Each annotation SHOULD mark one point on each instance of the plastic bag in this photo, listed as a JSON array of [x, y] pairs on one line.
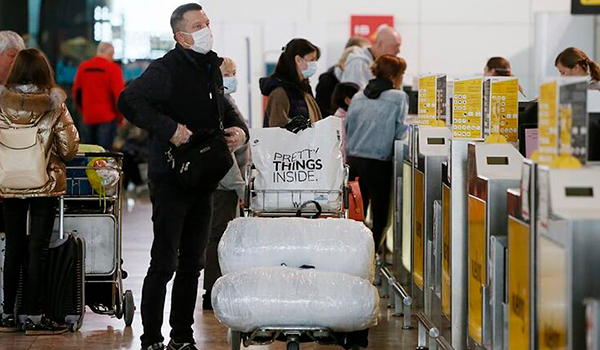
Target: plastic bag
[[288, 297], [308, 161], [335, 245]]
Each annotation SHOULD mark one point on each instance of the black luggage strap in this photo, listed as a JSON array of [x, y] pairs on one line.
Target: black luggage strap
[[305, 204]]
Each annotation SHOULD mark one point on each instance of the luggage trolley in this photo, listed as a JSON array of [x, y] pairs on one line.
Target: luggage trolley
[[97, 218], [290, 202]]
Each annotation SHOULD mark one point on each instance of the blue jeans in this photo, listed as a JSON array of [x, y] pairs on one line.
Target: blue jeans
[[100, 134]]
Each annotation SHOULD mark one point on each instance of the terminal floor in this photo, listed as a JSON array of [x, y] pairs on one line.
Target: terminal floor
[[102, 332]]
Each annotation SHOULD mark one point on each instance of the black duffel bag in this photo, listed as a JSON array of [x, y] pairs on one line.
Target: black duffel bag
[[202, 162]]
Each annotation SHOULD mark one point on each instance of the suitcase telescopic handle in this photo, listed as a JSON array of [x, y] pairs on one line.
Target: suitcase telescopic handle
[[61, 218]]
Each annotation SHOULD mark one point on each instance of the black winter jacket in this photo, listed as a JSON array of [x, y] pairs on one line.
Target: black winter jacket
[[181, 87]]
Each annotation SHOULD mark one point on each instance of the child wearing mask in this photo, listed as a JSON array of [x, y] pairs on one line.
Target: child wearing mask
[[291, 100]]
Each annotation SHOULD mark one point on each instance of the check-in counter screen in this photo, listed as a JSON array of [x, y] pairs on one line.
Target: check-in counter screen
[[436, 141], [497, 160], [446, 253], [579, 191], [552, 295], [477, 266], [419, 230], [519, 284], [406, 216]]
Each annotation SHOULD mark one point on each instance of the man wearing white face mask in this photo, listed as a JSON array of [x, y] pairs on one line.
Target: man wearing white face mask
[[179, 100]]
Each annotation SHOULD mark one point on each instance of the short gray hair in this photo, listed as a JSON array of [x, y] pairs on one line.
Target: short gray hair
[[11, 40], [177, 15]]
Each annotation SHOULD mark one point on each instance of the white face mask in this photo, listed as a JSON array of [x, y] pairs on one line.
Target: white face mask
[[203, 40], [311, 69], [230, 84]]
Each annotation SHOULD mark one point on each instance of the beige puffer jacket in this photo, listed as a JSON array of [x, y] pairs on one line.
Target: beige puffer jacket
[[28, 104]]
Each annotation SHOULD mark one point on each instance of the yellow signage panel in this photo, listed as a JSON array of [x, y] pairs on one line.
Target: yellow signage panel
[[566, 121], [406, 215], [427, 99], [519, 284], [477, 268], [467, 109], [552, 295], [590, 2], [446, 253], [548, 122], [419, 229], [504, 108]]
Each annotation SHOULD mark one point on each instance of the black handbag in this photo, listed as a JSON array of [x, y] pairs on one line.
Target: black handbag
[[202, 162]]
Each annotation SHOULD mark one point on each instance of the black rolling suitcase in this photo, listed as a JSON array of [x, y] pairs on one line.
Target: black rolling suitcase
[[65, 280], [64, 300]]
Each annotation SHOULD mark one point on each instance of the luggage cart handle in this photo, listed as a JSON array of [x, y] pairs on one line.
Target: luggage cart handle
[[305, 204], [61, 218], [102, 154]]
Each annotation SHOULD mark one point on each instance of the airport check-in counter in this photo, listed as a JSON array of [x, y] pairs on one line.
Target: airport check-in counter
[[521, 257], [402, 188], [431, 151], [492, 170], [568, 256]]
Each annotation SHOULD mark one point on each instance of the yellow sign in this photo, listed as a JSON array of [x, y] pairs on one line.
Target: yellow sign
[[552, 295], [446, 253], [566, 121], [427, 99], [419, 229], [590, 2], [406, 216], [519, 284], [477, 268], [548, 123], [504, 109], [467, 111]]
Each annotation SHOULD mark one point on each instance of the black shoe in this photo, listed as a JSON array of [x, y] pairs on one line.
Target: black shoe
[[45, 327], [8, 325], [155, 346], [181, 346]]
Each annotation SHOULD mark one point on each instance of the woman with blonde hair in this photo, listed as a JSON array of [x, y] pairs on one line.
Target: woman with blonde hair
[[31, 99]]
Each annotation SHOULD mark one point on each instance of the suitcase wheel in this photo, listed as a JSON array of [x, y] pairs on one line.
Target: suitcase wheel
[[128, 308]]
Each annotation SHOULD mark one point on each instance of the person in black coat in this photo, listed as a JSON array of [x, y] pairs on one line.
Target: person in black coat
[[178, 95]]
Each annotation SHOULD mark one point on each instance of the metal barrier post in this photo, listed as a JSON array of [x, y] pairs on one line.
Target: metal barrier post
[[377, 280], [391, 293], [422, 337], [407, 302]]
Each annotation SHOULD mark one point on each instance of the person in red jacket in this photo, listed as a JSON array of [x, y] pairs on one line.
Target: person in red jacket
[[98, 84]]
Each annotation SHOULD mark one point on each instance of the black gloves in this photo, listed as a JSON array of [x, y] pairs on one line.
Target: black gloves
[[297, 124]]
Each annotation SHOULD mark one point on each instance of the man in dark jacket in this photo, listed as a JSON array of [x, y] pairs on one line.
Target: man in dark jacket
[[179, 94]]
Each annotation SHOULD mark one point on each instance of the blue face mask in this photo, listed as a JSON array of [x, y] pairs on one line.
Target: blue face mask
[[310, 70], [230, 85]]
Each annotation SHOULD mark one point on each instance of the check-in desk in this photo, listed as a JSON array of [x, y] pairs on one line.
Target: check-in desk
[[568, 254], [431, 151], [492, 170]]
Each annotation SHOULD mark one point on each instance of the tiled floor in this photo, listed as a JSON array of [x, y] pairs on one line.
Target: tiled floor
[[102, 332]]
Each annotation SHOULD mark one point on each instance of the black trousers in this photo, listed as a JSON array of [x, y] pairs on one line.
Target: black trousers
[[31, 252], [181, 226], [225, 206], [375, 181]]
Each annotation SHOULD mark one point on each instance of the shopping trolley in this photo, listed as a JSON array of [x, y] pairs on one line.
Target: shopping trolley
[[96, 215]]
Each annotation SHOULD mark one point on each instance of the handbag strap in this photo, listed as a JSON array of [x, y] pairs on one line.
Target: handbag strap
[[305, 204]]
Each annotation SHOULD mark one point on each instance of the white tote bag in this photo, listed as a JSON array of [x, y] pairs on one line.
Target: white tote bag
[[295, 168]]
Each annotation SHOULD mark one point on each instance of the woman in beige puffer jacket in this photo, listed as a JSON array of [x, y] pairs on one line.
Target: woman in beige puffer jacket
[[31, 97]]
